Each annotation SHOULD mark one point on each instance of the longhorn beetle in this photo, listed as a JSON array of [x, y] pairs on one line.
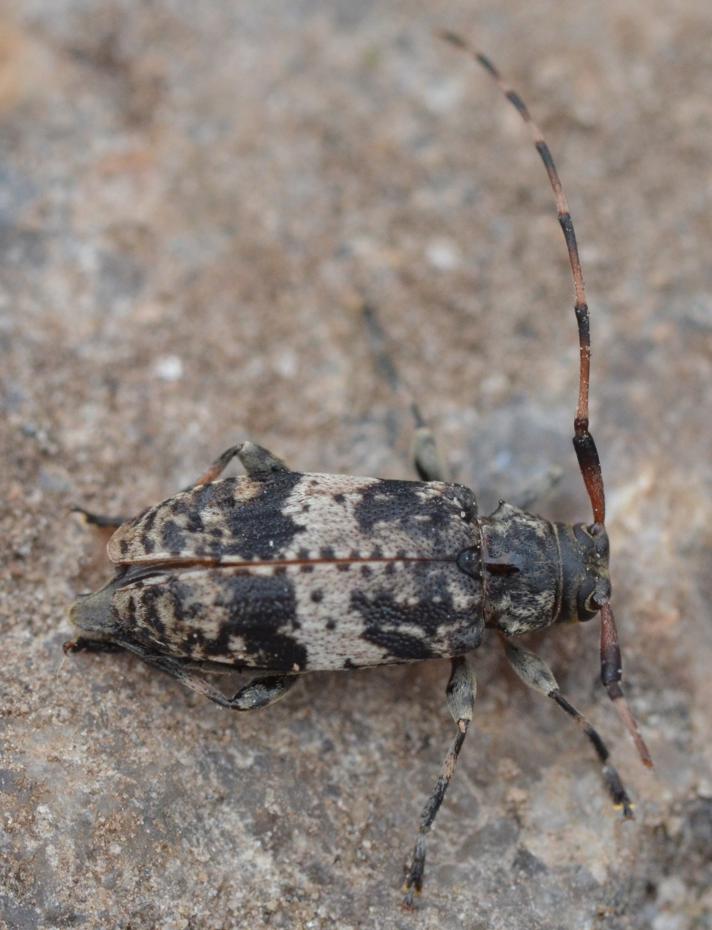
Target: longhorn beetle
[[286, 573]]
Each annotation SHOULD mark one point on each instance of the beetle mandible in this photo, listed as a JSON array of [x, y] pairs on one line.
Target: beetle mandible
[[286, 573]]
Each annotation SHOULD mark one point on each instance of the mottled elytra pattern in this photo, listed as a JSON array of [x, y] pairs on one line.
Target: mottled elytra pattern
[[291, 517], [254, 572], [286, 619]]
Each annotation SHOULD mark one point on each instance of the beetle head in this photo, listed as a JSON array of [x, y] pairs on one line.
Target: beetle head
[[584, 561]]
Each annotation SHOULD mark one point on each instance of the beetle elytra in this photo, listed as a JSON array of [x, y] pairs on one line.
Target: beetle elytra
[[286, 573]]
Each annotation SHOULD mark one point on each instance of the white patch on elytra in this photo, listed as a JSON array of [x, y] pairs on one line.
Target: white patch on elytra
[[330, 648], [336, 525]]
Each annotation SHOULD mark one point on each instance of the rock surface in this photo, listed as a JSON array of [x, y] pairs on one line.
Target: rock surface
[[194, 202]]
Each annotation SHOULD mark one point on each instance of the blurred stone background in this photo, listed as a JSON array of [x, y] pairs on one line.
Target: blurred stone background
[[194, 200]]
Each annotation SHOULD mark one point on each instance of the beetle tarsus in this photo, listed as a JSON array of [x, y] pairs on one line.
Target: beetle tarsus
[[99, 519], [257, 693], [261, 692], [84, 644], [218, 466], [426, 457], [611, 778], [621, 800], [461, 691], [259, 462], [536, 674], [428, 463]]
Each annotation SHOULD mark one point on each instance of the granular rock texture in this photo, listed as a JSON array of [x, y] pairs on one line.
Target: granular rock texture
[[195, 201]]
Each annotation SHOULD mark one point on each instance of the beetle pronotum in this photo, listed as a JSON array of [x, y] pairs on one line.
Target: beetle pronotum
[[288, 573]]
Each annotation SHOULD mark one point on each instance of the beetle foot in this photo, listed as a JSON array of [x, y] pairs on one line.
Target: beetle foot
[[413, 884], [99, 519], [412, 889], [83, 644]]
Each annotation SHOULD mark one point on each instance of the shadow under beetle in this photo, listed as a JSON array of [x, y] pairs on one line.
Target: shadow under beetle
[[288, 573]]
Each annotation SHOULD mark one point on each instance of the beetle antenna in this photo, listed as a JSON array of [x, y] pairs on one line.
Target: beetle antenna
[[586, 452]]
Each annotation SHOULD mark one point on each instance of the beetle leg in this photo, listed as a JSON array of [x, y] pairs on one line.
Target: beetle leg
[[427, 459], [261, 692], [535, 673], [255, 694], [218, 466], [99, 519], [85, 644], [257, 462], [461, 691]]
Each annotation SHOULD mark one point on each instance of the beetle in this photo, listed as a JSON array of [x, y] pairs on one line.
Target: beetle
[[287, 573]]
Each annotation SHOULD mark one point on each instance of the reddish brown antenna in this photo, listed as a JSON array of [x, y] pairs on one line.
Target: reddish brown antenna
[[586, 452]]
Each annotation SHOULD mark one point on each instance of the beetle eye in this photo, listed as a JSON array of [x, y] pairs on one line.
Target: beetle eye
[[589, 530], [586, 607]]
